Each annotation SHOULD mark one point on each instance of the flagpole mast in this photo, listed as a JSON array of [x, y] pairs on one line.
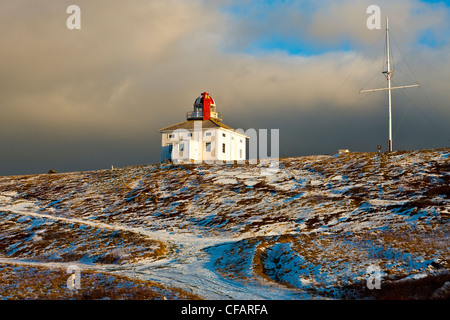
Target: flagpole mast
[[388, 73]]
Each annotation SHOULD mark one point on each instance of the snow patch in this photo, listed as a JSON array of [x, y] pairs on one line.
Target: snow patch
[[226, 181]]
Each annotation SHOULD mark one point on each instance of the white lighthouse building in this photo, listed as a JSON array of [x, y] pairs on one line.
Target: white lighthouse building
[[202, 137]]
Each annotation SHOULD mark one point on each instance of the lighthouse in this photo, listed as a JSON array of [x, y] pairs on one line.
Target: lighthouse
[[202, 137]]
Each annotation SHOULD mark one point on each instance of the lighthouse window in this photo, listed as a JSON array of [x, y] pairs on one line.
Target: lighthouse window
[[223, 135], [181, 146], [223, 147], [208, 133], [208, 147], [171, 136]]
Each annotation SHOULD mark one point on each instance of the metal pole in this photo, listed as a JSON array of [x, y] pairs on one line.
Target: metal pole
[[389, 83]]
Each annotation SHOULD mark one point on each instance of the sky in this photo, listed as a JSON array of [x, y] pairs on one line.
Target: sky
[[95, 97]]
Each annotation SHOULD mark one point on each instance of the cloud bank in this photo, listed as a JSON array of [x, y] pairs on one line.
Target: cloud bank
[[91, 98]]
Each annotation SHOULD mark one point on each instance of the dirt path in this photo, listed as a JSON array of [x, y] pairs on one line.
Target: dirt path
[[186, 265]]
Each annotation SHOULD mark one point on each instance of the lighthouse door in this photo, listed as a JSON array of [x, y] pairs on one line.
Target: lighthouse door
[[169, 151]]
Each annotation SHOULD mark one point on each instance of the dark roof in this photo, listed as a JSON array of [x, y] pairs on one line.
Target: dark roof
[[189, 125]]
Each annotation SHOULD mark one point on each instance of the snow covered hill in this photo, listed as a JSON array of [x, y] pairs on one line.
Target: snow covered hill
[[315, 229]]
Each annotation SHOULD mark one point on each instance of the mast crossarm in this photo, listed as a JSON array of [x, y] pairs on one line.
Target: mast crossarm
[[391, 88]]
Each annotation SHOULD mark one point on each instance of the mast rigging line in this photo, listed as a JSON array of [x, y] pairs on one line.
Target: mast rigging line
[[361, 58], [434, 125], [414, 78]]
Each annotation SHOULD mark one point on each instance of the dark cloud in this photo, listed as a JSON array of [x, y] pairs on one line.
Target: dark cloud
[[95, 97]]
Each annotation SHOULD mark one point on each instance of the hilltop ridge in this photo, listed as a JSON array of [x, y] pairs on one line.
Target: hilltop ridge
[[310, 230]]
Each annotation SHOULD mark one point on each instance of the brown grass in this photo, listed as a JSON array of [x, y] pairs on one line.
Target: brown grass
[[408, 289], [47, 240], [358, 249], [34, 283]]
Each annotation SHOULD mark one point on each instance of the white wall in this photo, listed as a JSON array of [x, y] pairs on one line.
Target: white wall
[[195, 146]]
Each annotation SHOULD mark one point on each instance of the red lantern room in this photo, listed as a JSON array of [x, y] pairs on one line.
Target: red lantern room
[[204, 109]]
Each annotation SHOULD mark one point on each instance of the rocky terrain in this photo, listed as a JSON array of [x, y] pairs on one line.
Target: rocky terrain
[[315, 227]]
